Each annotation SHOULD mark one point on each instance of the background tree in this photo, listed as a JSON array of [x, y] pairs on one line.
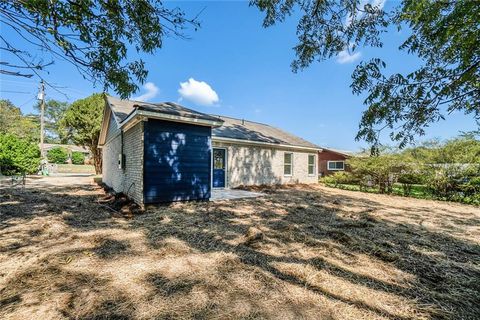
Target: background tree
[[18, 155], [54, 112], [12, 121], [445, 35], [460, 150], [94, 36], [82, 122]]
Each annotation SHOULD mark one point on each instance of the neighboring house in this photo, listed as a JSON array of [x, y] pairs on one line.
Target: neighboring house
[[165, 152], [331, 161], [69, 147]]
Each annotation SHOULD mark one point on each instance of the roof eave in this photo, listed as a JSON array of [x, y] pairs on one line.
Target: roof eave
[[107, 113], [338, 152]]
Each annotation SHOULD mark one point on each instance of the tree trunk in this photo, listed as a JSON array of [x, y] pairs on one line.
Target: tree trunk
[[97, 158]]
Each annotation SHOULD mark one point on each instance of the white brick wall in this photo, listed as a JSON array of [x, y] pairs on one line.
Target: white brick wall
[[252, 165], [130, 179]]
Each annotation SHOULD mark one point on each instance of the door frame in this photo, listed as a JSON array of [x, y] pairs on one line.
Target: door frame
[[226, 169]]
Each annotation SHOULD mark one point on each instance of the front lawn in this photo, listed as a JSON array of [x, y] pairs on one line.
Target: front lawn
[[418, 191], [303, 252]]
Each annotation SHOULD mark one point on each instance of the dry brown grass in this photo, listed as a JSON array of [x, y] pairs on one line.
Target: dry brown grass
[[299, 252]]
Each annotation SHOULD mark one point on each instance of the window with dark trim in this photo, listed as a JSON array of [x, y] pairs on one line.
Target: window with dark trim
[[287, 163]]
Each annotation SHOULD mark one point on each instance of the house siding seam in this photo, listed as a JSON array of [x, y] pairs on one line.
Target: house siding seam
[[130, 179], [252, 165]]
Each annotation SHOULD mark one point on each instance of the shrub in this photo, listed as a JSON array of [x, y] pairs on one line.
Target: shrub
[[457, 182], [57, 155], [408, 178], [340, 177], [18, 155], [78, 157], [472, 186], [379, 171]]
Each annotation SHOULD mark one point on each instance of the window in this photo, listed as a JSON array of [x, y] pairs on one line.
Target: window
[[219, 159], [287, 164], [336, 165], [311, 165]]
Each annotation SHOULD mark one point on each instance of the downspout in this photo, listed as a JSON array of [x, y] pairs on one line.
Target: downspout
[[122, 155], [121, 147]]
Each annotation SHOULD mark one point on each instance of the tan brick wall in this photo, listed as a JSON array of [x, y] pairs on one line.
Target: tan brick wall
[[253, 165], [130, 179]]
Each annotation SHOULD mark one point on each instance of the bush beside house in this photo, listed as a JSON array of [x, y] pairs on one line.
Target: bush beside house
[[18, 155]]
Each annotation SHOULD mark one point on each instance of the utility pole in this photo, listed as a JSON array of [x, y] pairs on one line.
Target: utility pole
[[41, 97]]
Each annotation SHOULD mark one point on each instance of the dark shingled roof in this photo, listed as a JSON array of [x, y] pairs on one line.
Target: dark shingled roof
[[232, 128], [257, 132], [122, 109]]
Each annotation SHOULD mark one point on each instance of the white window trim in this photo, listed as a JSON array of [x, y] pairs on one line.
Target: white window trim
[[314, 164], [291, 165], [328, 165]]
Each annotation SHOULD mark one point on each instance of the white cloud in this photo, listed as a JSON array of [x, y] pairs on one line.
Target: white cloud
[[198, 92], [345, 56], [379, 4], [151, 92], [358, 14]]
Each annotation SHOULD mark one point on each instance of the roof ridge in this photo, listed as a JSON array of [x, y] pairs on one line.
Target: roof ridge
[[171, 103], [240, 119]]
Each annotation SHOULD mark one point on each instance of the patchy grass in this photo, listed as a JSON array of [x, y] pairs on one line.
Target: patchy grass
[[75, 168], [298, 252]]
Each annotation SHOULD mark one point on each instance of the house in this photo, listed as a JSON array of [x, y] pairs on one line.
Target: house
[[161, 152], [331, 161]]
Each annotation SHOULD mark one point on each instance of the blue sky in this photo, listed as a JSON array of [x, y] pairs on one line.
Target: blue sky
[[242, 70]]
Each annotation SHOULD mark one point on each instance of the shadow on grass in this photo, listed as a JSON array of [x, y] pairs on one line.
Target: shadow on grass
[[445, 284]]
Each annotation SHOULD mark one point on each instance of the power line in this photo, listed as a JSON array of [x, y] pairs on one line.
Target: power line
[[10, 91], [19, 82], [23, 104]]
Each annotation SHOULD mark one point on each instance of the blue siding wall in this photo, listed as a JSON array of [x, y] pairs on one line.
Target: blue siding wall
[[177, 161]]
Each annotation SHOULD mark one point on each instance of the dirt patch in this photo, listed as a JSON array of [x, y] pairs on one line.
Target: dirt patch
[[299, 252]]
